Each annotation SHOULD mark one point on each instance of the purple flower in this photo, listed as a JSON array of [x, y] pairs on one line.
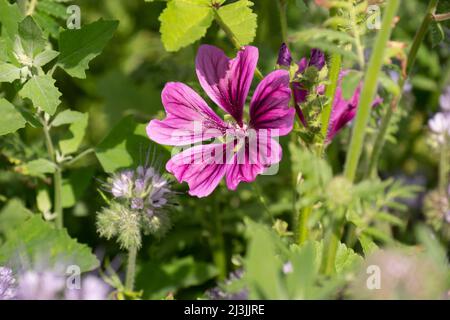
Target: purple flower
[[343, 110], [317, 59], [444, 100], [284, 56], [190, 120], [92, 288], [7, 284], [40, 285]]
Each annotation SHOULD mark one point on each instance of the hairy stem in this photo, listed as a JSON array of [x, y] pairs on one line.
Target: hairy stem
[[232, 37], [330, 93], [302, 228], [335, 69], [418, 39], [357, 36], [369, 91], [331, 246], [57, 176], [131, 269], [262, 200], [420, 34]]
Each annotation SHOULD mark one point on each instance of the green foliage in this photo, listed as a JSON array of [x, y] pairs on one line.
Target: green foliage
[[160, 279], [241, 20], [79, 47], [37, 239], [11, 119], [124, 146], [42, 91], [71, 141], [186, 21]]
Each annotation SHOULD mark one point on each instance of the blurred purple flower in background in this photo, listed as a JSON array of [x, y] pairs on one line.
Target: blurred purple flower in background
[[7, 284], [343, 111], [444, 100]]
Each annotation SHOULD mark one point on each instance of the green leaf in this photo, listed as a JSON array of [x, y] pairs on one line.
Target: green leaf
[[79, 46], [389, 85], [52, 8], [67, 117], [157, 280], [436, 33], [263, 268], [184, 22], [43, 201], [239, 17], [125, 146], [71, 141], [12, 215], [38, 238], [11, 120], [10, 16], [75, 185], [41, 90], [9, 72], [346, 258], [31, 37], [37, 168], [350, 82], [45, 57]]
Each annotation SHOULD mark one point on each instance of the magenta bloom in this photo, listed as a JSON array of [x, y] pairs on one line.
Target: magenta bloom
[[344, 111], [241, 149]]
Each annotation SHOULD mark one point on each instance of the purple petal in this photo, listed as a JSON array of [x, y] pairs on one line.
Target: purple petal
[[189, 119], [344, 111], [227, 81], [249, 162], [317, 59], [284, 56], [269, 108], [202, 167]]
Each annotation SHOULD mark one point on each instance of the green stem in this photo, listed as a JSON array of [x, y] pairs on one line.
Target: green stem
[[357, 37], [282, 6], [418, 39], [219, 254], [380, 140], [331, 246], [330, 92], [335, 68], [262, 200], [232, 37], [131, 269], [31, 7], [57, 176], [79, 156], [420, 35], [369, 90], [302, 229]]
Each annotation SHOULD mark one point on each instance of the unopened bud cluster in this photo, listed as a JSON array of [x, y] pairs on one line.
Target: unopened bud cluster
[[140, 201]]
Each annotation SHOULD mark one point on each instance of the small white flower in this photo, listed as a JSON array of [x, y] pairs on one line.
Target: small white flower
[[440, 125]]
